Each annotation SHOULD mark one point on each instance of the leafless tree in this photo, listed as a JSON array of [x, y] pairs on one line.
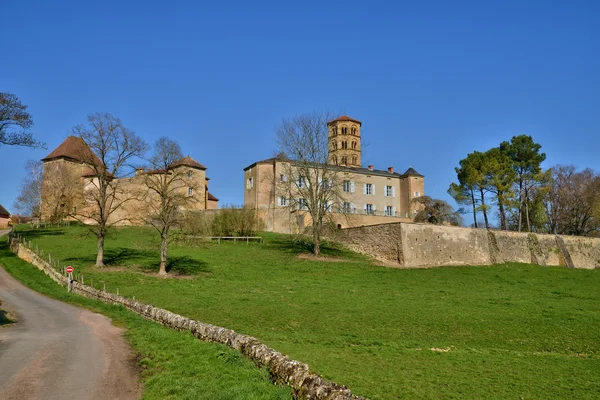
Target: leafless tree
[[30, 194], [61, 191], [14, 114], [168, 186], [112, 147], [309, 183], [435, 211], [571, 201]]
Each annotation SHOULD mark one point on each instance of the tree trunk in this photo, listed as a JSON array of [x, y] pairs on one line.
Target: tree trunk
[[474, 209], [520, 203], [485, 218], [100, 256], [316, 241], [163, 255], [527, 210], [501, 210]]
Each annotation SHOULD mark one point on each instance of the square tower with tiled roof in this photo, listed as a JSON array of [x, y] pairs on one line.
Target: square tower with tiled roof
[[344, 141]]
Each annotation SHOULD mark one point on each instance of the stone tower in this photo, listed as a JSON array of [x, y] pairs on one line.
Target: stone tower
[[344, 141]]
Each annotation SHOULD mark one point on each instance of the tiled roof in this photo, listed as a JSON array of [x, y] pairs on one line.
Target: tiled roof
[[3, 211], [74, 148], [345, 118], [211, 197], [188, 162]]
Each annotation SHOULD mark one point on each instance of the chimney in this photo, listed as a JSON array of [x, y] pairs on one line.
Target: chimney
[[370, 168], [391, 170]]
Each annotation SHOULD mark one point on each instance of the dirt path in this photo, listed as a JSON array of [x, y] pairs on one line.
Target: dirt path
[[59, 351]]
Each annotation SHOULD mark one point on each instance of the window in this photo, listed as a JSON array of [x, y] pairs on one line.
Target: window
[[250, 183], [334, 131], [282, 201], [417, 194], [344, 131], [344, 145], [282, 178], [354, 145], [190, 174], [389, 211], [344, 160], [334, 159], [346, 208], [302, 204], [354, 130], [347, 186], [333, 145], [389, 191], [354, 160], [301, 182], [369, 209], [369, 189], [190, 191]]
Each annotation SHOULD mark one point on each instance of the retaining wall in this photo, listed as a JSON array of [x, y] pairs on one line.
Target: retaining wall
[[420, 245], [283, 370]]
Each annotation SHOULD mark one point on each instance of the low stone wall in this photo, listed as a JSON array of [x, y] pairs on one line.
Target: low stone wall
[[283, 370], [419, 245]]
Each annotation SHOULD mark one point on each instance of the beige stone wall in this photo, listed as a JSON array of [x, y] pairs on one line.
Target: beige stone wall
[[4, 222], [419, 245], [263, 185]]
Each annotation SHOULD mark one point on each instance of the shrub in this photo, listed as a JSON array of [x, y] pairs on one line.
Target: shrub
[[236, 221]]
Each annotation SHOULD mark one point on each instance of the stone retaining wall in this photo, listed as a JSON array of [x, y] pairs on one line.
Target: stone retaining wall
[[305, 384], [420, 245]]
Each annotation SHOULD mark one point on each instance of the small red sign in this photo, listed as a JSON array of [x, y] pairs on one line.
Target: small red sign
[[69, 269]]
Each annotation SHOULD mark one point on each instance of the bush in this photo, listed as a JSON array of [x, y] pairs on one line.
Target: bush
[[197, 223], [236, 221]]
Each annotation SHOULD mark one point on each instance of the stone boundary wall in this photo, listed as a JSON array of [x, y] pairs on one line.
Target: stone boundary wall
[[305, 384], [425, 245]]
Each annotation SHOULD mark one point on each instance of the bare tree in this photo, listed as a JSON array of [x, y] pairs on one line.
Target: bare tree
[[435, 211], [168, 185], [14, 114], [310, 184], [30, 194], [111, 147]]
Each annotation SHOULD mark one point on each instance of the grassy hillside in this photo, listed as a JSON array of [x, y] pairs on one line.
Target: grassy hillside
[[504, 331]]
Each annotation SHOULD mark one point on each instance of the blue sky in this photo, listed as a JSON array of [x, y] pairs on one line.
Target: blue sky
[[431, 81]]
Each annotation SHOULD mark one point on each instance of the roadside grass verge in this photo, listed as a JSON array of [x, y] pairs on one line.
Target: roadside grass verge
[[174, 365], [503, 331]]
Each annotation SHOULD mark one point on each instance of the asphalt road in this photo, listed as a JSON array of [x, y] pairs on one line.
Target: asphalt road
[[59, 351]]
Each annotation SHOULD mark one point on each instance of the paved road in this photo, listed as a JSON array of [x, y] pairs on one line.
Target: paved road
[[59, 351]]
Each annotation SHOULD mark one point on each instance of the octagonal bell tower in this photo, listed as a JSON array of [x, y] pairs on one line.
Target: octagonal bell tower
[[344, 141]]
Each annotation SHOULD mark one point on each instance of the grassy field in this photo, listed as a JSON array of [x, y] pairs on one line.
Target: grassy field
[[174, 365], [506, 331]]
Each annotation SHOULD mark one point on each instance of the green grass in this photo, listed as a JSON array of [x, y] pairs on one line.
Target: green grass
[[174, 365], [510, 331]]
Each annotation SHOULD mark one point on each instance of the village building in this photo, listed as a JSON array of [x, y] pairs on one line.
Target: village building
[[67, 178], [370, 196], [4, 218]]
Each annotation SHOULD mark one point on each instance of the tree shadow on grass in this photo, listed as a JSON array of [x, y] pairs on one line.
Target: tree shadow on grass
[[36, 233], [179, 265], [302, 245], [118, 257]]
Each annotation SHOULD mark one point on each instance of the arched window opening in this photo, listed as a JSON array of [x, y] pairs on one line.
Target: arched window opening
[[344, 145], [334, 145], [354, 160], [354, 145], [344, 160], [344, 130], [334, 160], [354, 130]]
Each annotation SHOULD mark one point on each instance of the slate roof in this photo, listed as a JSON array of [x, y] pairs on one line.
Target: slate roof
[[412, 172], [188, 162], [345, 118]]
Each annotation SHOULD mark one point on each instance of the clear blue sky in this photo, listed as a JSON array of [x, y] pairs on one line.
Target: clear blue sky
[[431, 81]]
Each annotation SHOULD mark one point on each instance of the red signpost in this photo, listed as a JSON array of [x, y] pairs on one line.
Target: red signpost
[[69, 269]]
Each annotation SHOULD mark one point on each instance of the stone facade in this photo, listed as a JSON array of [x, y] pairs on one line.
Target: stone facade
[[68, 185], [423, 245], [367, 195]]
